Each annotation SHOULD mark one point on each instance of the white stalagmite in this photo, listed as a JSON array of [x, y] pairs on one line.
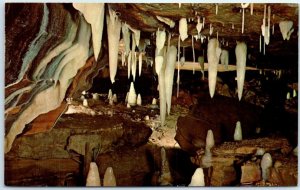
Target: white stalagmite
[[115, 98], [198, 178], [169, 74], [224, 58], [85, 103], [294, 93], [132, 95], [160, 40], [213, 54], [133, 65], [288, 96], [238, 136], [110, 94], [109, 179], [95, 96], [154, 101], [93, 14], [241, 56], [168, 21], [139, 100], [140, 63], [183, 29], [158, 64], [129, 63], [165, 177], [93, 178], [210, 141], [286, 28], [266, 163], [126, 37], [113, 32]]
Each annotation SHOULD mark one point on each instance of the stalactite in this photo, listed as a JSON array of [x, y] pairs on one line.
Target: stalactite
[[183, 29], [259, 43], [126, 37], [160, 40], [162, 89], [198, 26], [167, 21], [224, 58], [113, 32], [217, 9], [241, 56], [123, 58], [211, 29], [213, 53], [129, 63], [251, 8], [286, 29], [133, 65], [193, 52], [169, 75], [140, 63], [178, 67], [94, 14]]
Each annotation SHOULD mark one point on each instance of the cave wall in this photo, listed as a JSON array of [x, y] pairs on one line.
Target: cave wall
[[47, 46]]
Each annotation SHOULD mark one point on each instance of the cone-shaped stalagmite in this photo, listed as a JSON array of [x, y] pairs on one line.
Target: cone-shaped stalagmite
[[198, 178], [109, 178], [241, 56], [93, 178]]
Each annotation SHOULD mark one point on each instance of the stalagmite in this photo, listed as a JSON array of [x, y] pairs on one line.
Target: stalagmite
[[265, 164], [210, 141], [115, 98], [154, 101], [294, 93], [93, 178], [110, 94], [198, 178], [183, 29], [213, 54], [85, 103], [132, 95], [126, 37], [95, 96], [224, 58], [168, 21], [241, 56], [140, 63], [169, 75], [139, 100], [160, 40], [165, 177], [93, 14], [286, 29], [238, 132], [113, 32], [288, 96], [109, 179]]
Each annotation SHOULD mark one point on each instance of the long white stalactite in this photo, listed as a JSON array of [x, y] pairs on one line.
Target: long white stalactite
[[93, 14], [113, 32], [169, 75], [213, 55], [140, 63], [126, 37], [178, 70], [162, 89], [241, 56]]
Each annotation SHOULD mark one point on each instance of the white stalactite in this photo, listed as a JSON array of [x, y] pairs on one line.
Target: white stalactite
[[140, 63], [183, 29], [198, 26], [225, 58], [211, 29], [241, 56], [178, 67], [167, 21], [129, 63], [126, 37], [133, 65], [213, 60], [169, 75], [158, 64], [123, 58], [94, 15], [251, 8], [113, 32], [286, 29], [160, 40], [162, 90]]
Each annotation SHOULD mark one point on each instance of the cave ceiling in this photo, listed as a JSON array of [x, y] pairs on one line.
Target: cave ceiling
[[142, 16]]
